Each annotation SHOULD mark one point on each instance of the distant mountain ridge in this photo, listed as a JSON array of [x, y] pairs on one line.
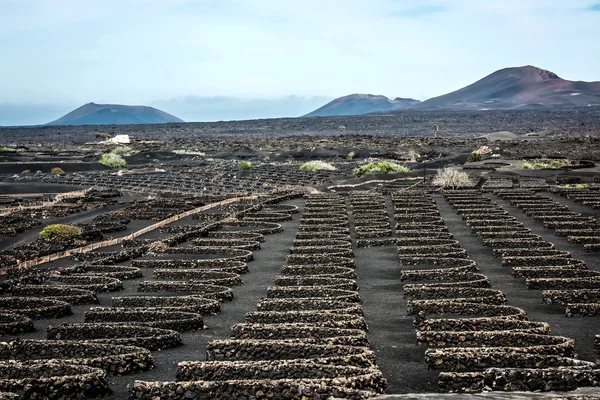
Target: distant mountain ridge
[[505, 89], [114, 114], [517, 87], [359, 104]]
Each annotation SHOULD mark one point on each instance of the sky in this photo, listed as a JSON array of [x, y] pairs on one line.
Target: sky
[[205, 60]]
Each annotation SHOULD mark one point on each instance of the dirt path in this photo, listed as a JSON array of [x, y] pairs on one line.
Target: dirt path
[[391, 331]]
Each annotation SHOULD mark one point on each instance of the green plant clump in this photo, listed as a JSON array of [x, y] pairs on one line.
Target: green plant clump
[[317, 166], [577, 186], [57, 171], [6, 150], [26, 172], [382, 167], [113, 160], [245, 165], [474, 157], [543, 163], [60, 230]]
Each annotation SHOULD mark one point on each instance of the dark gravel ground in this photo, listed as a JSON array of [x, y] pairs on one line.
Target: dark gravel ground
[[401, 124], [580, 329], [391, 330], [263, 270]]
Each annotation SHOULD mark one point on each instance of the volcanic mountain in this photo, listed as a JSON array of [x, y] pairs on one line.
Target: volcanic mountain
[[519, 87], [114, 114], [358, 104]]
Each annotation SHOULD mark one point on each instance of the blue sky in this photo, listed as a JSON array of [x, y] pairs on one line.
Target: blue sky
[[274, 57]]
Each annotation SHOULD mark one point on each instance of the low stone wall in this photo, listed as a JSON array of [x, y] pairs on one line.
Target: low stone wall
[[241, 243], [443, 293], [509, 243], [236, 235], [340, 320], [582, 309], [526, 252], [194, 303], [94, 283], [115, 360], [324, 281], [217, 292], [121, 272], [120, 334], [334, 256], [349, 337], [156, 318], [232, 389], [14, 324], [249, 350], [432, 327], [310, 304], [552, 272], [363, 378], [592, 282], [591, 248], [478, 358], [545, 379], [231, 253], [564, 297], [238, 267], [318, 270], [343, 251], [52, 380], [313, 291], [264, 228], [35, 308], [214, 277], [541, 261], [68, 294], [323, 235]]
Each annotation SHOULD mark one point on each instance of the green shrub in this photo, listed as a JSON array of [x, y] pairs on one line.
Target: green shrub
[[60, 230], [474, 157], [244, 165], [57, 171], [382, 167], [6, 150], [39, 171], [351, 155], [26, 172], [543, 163], [317, 166], [113, 160], [452, 179]]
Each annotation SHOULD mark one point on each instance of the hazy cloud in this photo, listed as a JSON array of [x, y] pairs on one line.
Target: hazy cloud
[[221, 108], [419, 11], [136, 51]]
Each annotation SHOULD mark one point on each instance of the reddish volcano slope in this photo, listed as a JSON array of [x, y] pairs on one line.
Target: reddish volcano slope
[[516, 88], [358, 104]]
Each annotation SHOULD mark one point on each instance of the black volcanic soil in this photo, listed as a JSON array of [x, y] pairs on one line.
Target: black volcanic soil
[[585, 120]]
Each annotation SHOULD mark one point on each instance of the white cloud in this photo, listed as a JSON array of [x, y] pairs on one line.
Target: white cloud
[[134, 51]]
